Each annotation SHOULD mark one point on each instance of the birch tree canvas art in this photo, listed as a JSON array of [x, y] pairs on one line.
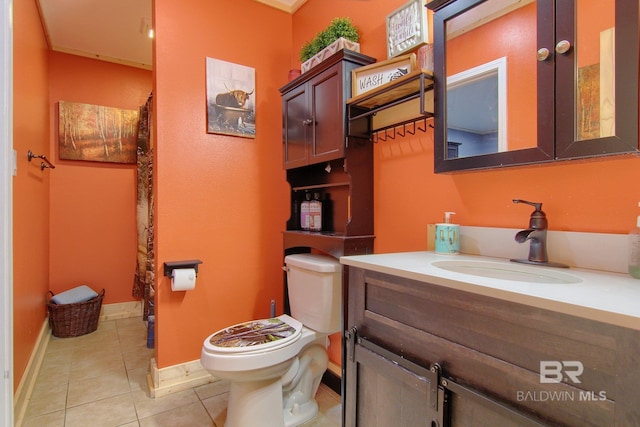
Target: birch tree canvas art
[[97, 133]]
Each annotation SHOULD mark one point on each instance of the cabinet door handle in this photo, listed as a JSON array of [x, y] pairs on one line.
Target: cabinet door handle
[[307, 122], [542, 54], [563, 46]]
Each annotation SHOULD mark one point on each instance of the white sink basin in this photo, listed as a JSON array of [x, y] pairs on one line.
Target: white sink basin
[[505, 271]]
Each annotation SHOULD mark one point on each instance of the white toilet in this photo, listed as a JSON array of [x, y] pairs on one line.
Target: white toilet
[[275, 365]]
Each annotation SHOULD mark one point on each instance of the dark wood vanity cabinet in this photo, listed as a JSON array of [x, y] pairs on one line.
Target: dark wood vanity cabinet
[[419, 354]]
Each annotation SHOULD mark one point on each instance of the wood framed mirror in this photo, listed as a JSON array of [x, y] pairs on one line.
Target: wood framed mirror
[[530, 81]]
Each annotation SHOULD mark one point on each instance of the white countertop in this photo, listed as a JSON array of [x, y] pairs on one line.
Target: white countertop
[[603, 296]]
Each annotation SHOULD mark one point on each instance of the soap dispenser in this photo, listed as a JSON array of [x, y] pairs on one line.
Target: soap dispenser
[[447, 236], [634, 250]]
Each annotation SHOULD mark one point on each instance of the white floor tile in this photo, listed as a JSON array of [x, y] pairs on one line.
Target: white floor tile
[[100, 379], [110, 412]]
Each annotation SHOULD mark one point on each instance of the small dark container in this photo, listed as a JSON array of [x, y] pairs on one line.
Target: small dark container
[[151, 322]]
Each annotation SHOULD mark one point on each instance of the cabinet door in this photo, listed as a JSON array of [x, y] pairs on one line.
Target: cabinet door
[[328, 115], [295, 127], [596, 59], [385, 389], [469, 408]]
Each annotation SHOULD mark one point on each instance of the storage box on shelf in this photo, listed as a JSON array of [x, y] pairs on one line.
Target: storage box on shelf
[[325, 53], [406, 102]]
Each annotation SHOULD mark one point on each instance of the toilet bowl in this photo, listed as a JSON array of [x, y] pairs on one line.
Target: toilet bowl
[[275, 365], [259, 373]]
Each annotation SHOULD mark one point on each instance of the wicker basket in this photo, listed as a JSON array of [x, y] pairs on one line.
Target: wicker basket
[[73, 320]]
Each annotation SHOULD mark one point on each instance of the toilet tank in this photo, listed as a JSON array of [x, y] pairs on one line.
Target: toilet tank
[[315, 291]]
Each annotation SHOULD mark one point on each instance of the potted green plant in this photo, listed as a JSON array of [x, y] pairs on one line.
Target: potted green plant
[[340, 34]]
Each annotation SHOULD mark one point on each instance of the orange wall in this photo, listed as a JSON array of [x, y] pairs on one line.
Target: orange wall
[[594, 195], [219, 199], [30, 186], [93, 204]]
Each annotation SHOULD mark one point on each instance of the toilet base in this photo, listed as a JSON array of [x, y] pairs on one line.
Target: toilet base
[[252, 403], [299, 414], [299, 392]]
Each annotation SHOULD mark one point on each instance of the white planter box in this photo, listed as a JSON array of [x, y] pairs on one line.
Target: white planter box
[[334, 47]]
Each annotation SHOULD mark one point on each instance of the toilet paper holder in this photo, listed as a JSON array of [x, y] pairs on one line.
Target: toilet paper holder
[[172, 265]]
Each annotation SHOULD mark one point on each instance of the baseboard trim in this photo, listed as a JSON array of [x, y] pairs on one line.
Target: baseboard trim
[[332, 378], [121, 310], [23, 393], [172, 379], [164, 381]]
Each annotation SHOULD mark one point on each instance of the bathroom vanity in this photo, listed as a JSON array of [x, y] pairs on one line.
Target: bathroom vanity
[[439, 340]]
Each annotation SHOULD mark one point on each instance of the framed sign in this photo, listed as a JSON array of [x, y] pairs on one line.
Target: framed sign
[[407, 28], [372, 76], [231, 98]]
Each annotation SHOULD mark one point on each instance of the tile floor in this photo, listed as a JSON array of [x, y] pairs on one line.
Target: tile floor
[[99, 379]]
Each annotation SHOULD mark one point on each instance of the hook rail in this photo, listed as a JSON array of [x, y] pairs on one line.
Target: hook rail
[[409, 127], [45, 164]]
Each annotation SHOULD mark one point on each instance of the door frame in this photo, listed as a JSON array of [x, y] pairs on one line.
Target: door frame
[[7, 171]]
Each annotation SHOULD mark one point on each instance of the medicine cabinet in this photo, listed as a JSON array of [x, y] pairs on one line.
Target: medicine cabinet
[[525, 81]]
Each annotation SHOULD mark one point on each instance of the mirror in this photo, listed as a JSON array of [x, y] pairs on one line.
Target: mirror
[[477, 110], [483, 69], [529, 81], [595, 85], [603, 67]]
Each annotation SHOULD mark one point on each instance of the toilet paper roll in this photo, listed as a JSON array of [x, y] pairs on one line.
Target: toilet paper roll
[[183, 279]]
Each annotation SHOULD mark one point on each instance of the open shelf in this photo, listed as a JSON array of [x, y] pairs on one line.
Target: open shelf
[[398, 103], [321, 186], [336, 244]]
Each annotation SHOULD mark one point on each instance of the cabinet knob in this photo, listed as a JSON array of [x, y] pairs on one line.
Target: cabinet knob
[[563, 46], [307, 122], [542, 54]]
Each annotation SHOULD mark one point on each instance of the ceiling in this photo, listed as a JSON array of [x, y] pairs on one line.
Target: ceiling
[[110, 30]]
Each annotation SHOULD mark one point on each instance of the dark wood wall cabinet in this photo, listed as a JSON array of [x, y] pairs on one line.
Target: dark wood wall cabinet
[[420, 354], [320, 157]]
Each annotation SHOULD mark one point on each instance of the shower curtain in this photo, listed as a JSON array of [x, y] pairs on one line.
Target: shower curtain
[[143, 282]]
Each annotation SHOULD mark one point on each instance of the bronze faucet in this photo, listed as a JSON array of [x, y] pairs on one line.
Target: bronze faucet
[[537, 234]]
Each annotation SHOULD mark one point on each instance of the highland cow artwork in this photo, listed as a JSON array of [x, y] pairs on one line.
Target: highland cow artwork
[[230, 99], [97, 133]]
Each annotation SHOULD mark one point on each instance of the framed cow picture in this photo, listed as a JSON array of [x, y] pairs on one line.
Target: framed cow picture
[[231, 99]]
